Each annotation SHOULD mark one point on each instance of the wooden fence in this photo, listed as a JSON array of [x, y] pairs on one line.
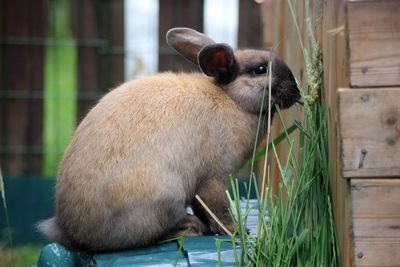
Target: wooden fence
[[29, 32], [360, 42]]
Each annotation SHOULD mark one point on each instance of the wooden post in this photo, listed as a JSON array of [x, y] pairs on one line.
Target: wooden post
[[369, 130], [177, 13], [84, 27], [374, 41], [250, 33], [99, 29], [21, 85]]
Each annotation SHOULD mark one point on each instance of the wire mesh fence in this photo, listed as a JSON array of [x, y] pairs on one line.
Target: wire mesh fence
[[58, 57]]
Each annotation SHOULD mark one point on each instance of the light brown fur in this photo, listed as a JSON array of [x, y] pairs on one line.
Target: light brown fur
[[141, 154]]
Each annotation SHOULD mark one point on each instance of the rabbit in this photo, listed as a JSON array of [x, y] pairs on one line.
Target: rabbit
[[139, 157]]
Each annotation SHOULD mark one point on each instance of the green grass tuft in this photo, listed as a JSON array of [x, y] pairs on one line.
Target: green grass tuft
[[295, 226]]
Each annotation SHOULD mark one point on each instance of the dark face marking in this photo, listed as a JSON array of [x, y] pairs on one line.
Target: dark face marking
[[248, 87], [284, 83]]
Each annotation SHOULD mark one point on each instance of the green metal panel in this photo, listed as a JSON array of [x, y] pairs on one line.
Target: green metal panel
[[29, 199], [160, 255], [196, 252], [56, 255], [200, 251]]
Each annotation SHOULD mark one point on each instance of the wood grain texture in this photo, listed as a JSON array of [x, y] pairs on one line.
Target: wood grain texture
[[334, 49], [330, 20], [376, 221], [370, 132], [374, 41], [375, 197], [21, 72], [370, 252], [250, 28], [177, 13]]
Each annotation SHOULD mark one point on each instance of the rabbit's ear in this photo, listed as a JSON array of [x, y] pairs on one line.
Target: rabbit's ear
[[218, 61], [188, 42]]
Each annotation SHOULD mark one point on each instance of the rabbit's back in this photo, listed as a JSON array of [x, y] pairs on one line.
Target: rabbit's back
[[149, 138]]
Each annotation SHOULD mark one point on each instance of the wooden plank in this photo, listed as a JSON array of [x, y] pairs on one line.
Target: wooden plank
[[21, 116], [375, 198], [370, 132], [374, 41], [334, 50], [382, 253], [376, 209], [270, 19], [177, 13], [250, 34], [109, 27], [88, 59], [117, 39], [99, 66], [376, 221], [376, 227]]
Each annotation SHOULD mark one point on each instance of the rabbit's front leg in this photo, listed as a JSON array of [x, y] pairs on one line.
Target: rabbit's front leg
[[212, 192]]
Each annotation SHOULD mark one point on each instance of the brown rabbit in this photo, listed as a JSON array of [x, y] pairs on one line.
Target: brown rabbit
[[139, 157]]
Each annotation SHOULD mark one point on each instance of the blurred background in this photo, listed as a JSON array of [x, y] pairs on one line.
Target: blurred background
[[58, 57]]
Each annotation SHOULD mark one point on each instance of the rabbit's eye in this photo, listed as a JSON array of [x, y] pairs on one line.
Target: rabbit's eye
[[261, 69]]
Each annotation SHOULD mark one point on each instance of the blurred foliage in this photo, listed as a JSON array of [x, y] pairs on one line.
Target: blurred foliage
[[60, 87], [19, 256]]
